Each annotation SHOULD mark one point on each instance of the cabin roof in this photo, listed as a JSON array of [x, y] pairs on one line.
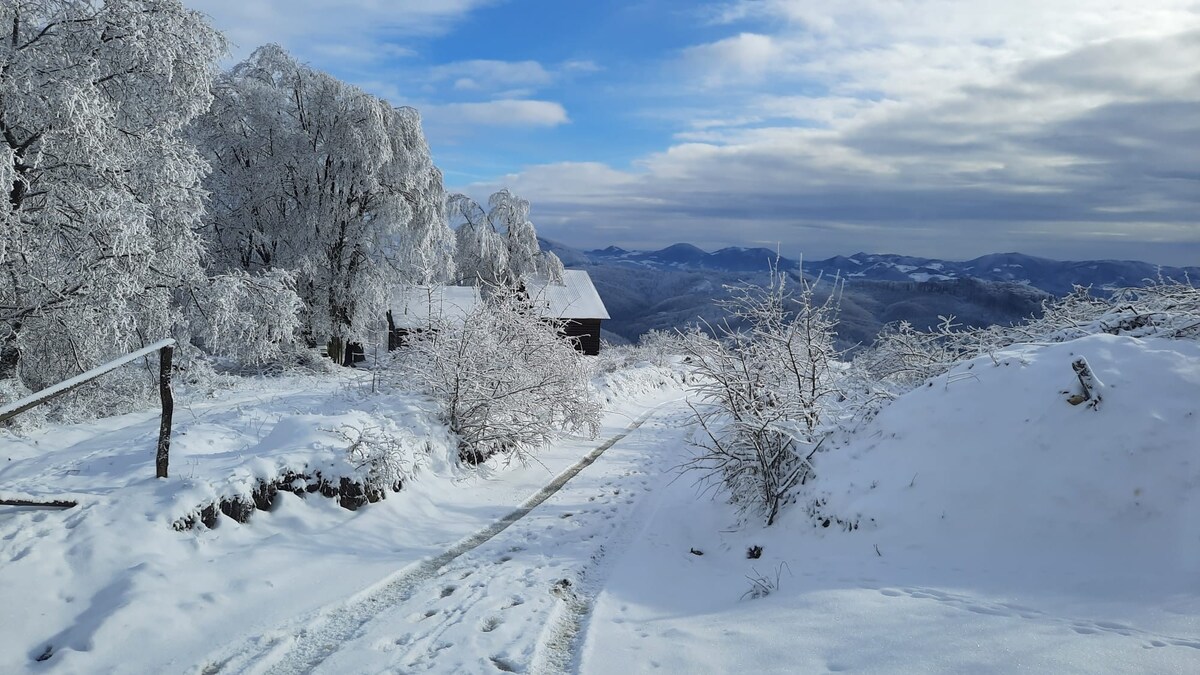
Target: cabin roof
[[413, 306], [574, 298]]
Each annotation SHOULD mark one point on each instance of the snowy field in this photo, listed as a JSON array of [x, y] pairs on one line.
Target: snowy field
[[999, 529]]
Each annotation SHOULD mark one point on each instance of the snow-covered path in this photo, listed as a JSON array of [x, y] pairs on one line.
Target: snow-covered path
[[509, 597]]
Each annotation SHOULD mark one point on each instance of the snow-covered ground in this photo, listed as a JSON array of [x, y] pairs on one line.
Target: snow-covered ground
[[999, 529], [110, 586]]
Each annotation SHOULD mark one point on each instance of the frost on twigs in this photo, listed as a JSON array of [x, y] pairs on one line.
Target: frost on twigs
[[103, 196], [904, 357], [379, 455], [317, 178], [505, 380], [1091, 387], [498, 246], [766, 395]]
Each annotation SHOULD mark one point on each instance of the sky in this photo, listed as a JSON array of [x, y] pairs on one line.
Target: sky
[[945, 128]]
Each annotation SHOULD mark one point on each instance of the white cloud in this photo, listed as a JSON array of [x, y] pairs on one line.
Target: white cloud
[[498, 113], [1079, 151], [492, 74], [738, 59]]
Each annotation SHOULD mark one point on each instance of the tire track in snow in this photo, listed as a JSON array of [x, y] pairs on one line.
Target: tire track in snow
[[313, 644], [560, 645]]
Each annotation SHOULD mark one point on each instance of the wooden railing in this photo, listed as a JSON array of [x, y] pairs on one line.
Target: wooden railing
[[165, 349]]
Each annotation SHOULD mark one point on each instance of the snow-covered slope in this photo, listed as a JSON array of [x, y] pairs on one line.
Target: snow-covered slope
[[999, 529], [991, 462]]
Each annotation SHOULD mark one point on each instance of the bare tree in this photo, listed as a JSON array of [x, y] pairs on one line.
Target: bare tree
[[764, 393], [505, 379]]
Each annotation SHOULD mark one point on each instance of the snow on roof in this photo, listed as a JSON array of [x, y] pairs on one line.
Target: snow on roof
[[574, 298], [412, 306]]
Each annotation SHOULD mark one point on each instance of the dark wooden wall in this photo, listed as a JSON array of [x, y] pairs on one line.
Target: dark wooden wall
[[588, 333]]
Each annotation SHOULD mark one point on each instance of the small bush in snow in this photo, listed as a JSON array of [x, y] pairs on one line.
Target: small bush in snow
[[765, 394], [379, 455], [505, 379]]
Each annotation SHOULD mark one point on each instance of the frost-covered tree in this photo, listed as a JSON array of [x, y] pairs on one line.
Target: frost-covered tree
[[505, 379], [314, 176], [766, 394], [99, 229], [499, 246]]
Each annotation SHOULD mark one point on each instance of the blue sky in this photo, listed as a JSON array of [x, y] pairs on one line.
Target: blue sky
[[1065, 128]]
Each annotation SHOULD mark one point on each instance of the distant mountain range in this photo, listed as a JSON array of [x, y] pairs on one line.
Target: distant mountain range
[[1053, 276], [678, 285]]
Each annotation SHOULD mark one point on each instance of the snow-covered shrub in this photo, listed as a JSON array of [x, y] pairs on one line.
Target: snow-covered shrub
[[379, 455], [765, 396], [904, 357], [506, 380], [659, 346]]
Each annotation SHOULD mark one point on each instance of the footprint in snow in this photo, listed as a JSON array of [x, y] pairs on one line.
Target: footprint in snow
[[503, 665], [448, 591]]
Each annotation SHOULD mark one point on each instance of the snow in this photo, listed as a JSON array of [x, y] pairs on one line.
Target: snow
[[575, 298], [87, 580], [926, 276], [414, 306], [1000, 530]]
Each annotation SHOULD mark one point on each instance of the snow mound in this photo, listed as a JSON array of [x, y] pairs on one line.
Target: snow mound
[[990, 462]]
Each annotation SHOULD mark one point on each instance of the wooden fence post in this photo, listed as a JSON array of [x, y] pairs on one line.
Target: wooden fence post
[[168, 408]]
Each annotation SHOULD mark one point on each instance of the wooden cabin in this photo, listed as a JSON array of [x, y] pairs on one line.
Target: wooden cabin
[[574, 301]]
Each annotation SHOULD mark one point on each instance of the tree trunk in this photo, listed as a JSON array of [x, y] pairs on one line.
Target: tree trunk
[[10, 354]]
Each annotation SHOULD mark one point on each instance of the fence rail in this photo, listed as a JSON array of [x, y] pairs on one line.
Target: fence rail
[[165, 349]]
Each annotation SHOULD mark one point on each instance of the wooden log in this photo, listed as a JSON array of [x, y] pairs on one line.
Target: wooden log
[[162, 457]]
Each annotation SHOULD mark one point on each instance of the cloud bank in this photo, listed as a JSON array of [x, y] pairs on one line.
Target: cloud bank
[[1068, 129]]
